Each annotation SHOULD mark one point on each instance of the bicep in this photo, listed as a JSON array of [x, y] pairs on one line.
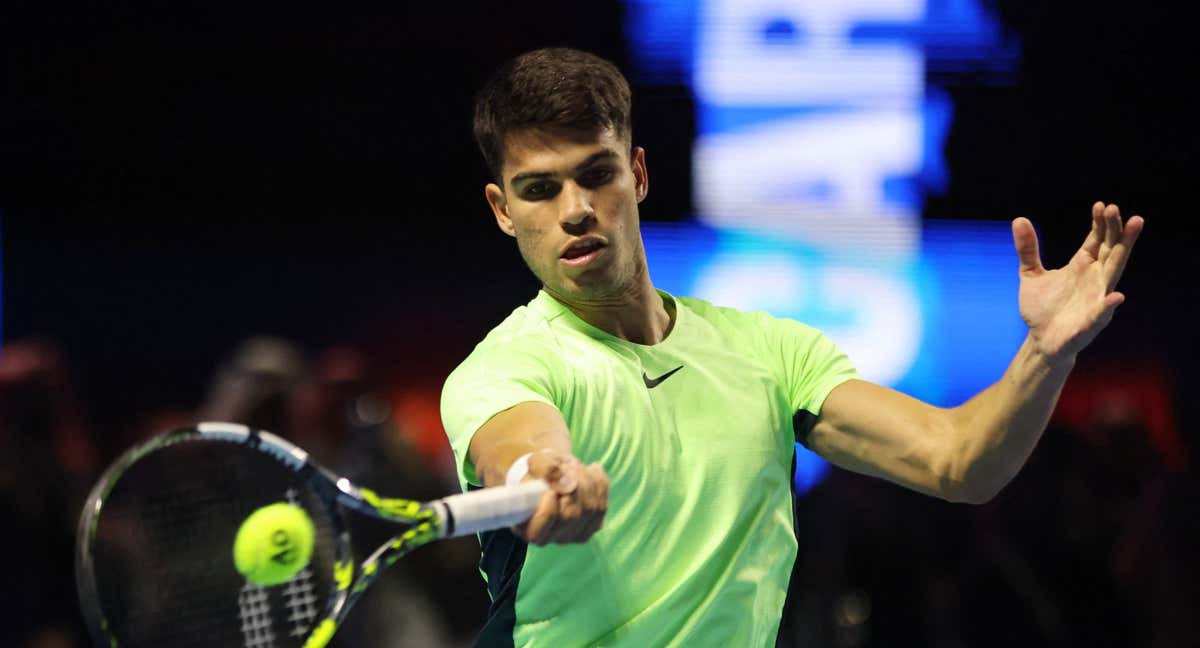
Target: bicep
[[520, 429], [877, 431]]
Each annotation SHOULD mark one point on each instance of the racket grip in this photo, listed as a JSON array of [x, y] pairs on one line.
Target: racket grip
[[490, 508]]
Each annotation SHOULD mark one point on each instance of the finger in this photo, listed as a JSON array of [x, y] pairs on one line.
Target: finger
[[601, 490], [1025, 240], [543, 521], [592, 498], [589, 527], [1091, 245], [582, 512], [570, 511], [587, 488], [596, 525], [555, 469], [586, 528], [1114, 266], [1112, 230], [1111, 301], [544, 518], [598, 493], [595, 502], [566, 524], [569, 479], [545, 465]]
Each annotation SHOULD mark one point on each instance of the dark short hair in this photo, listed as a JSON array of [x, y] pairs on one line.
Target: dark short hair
[[554, 87]]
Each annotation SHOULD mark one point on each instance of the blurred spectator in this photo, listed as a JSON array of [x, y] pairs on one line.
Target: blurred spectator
[[254, 384], [1132, 391], [333, 407], [1091, 544], [47, 461], [1066, 552], [417, 411], [418, 603], [876, 566]]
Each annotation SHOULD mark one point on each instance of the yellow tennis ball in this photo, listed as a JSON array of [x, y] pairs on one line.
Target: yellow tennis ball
[[273, 544]]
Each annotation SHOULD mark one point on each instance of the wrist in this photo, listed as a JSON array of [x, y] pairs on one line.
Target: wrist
[[1060, 361], [518, 470]]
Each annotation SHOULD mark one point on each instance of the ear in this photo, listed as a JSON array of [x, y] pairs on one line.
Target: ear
[[499, 204], [641, 179]]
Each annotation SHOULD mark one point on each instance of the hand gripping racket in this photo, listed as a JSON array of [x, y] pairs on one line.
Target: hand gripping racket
[[153, 558]]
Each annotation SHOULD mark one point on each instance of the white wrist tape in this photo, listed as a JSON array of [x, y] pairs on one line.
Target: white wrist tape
[[518, 470]]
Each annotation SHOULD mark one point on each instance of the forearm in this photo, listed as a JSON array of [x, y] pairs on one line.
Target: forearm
[[527, 427], [574, 507], [968, 453], [997, 430]]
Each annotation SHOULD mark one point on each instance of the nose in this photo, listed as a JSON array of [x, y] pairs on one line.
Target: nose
[[576, 207]]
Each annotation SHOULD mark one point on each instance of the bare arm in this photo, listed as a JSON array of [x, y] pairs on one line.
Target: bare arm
[[964, 454], [968, 453], [521, 429], [573, 510]]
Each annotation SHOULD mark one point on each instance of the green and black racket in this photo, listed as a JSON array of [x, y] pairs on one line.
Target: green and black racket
[[154, 559]]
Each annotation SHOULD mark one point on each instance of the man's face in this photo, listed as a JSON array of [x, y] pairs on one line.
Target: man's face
[[571, 200]]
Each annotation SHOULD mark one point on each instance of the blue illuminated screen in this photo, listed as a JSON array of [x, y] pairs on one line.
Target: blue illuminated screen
[[820, 129]]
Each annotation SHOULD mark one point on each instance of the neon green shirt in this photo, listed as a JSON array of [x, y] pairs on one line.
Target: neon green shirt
[[698, 543]]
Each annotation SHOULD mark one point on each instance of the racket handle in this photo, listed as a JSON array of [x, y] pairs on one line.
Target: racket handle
[[490, 508]]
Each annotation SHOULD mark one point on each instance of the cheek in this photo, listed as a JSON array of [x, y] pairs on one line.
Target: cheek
[[628, 223], [530, 240], [528, 248]]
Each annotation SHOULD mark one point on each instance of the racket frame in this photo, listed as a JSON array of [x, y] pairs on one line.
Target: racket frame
[[424, 522]]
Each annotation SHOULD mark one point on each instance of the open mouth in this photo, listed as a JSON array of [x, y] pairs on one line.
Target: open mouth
[[583, 250]]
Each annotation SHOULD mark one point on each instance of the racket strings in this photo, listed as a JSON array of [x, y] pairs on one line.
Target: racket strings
[[163, 556], [300, 593], [255, 613], [300, 601]]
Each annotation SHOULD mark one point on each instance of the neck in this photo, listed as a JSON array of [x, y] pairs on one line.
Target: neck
[[637, 314]]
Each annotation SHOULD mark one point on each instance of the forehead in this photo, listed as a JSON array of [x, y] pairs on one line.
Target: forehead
[[557, 150]]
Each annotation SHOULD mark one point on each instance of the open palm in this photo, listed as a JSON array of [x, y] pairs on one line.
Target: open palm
[[1066, 308]]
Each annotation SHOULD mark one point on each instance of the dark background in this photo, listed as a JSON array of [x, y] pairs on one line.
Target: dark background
[[177, 176]]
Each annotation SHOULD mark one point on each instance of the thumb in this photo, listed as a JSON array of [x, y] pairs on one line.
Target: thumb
[[556, 469], [1026, 242]]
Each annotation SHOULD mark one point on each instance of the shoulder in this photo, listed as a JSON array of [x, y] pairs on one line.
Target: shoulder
[[745, 323], [713, 313], [521, 343], [526, 326]]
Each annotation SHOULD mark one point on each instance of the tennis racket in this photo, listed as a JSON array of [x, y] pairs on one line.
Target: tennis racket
[[154, 563]]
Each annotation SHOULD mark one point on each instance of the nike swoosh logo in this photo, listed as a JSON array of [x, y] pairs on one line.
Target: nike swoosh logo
[[651, 383]]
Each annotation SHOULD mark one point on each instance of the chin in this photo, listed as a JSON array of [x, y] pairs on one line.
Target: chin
[[576, 290]]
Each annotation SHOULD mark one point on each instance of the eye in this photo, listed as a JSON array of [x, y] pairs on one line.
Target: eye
[[596, 176], [538, 190]]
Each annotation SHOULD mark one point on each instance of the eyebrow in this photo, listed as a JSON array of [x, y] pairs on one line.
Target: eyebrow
[[591, 159]]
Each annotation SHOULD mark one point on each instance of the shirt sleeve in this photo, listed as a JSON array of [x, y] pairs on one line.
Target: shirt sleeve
[[495, 377], [810, 365]]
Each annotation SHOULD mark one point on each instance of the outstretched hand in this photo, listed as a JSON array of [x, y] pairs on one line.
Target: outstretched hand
[[573, 509], [1066, 308]]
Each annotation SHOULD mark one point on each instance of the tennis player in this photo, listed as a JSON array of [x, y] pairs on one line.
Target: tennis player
[[665, 424]]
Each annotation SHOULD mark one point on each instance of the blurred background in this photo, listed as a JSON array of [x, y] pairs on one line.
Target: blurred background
[[273, 213]]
